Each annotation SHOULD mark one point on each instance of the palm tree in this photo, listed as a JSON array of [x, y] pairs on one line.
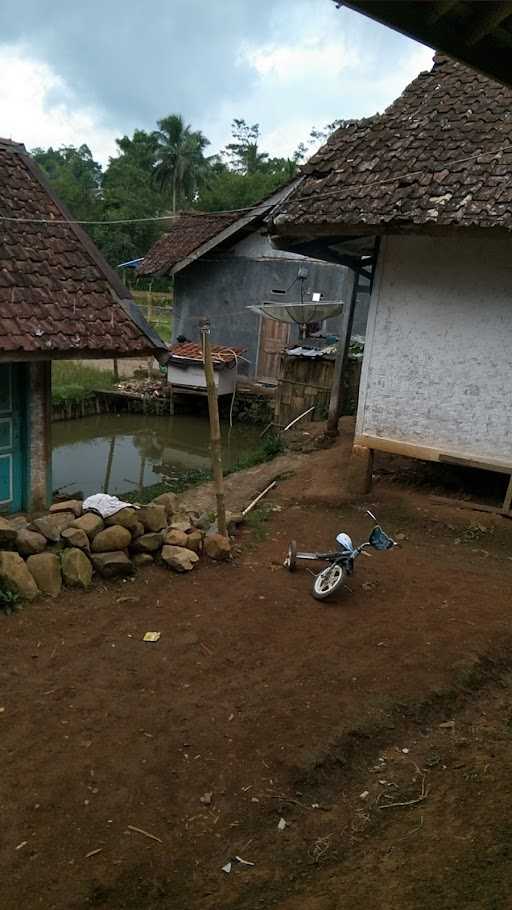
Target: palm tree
[[180, 164]]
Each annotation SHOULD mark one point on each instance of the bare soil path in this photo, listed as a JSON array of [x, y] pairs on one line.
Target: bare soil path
[[272, 703]]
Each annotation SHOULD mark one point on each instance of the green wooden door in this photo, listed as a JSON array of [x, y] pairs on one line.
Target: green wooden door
[[12, 452]]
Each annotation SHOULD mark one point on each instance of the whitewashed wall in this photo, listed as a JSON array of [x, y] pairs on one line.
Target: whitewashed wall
[[437, 372]]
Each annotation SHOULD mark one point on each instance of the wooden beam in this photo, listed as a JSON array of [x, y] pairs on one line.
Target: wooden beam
[[440, 9], [496, 466], [493, 16], [472, 506], [336, 400]]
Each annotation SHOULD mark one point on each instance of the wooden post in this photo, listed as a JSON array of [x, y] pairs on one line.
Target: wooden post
[[507, 502], [336, 399], [215, 437], [116, 370]]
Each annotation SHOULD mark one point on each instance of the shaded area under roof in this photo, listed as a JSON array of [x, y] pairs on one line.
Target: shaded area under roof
[[476, 33], [440, 156], [58, 296]]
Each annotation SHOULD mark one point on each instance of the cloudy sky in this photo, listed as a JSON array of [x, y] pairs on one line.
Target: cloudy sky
[[74, 72]]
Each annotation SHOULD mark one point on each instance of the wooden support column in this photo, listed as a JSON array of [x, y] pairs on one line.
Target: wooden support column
[[336, 400], [507, 502], [215, 437]]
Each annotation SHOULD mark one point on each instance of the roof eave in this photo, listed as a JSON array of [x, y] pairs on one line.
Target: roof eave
[[120, 293], [258, 212]]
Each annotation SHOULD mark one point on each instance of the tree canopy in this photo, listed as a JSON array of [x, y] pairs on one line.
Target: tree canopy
[[159, 172]]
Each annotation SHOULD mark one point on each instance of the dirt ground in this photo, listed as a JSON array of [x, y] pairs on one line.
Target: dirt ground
[[379, 727]]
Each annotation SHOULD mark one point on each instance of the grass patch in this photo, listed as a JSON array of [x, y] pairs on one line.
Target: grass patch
[[176, 485], [257, 522], [74, 380], [270, 448]]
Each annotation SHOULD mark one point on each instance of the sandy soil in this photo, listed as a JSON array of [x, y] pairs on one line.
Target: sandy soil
[[259, 703]]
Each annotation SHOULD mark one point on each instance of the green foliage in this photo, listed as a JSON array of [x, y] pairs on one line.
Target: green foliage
[[129, 191], [75, 381], [155, 173], [180, 165], [10, 600], [257, 522], [177, 485], [75, 177], [272, 446]]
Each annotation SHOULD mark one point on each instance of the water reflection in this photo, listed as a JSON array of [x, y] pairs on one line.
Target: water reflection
[[118, 454]]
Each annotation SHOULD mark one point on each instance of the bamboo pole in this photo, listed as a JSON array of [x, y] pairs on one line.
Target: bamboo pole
[[215, 437]]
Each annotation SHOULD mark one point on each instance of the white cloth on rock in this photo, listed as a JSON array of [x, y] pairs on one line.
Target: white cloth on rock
[[105, 505]]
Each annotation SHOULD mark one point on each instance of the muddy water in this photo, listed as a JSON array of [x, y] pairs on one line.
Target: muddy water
[[119, 454]]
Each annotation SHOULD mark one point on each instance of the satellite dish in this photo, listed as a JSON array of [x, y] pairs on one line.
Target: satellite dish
[[301, 313]]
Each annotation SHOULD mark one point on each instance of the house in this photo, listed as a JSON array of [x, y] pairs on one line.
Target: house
[[224, 262], [58, 299], [430, 180]]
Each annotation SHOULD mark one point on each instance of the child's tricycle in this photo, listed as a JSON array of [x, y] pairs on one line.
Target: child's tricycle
[[340, 563]]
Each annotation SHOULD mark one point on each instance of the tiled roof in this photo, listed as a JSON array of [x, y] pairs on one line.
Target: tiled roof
[[189, 351], [57, 295], [441, 154], [187, 233]]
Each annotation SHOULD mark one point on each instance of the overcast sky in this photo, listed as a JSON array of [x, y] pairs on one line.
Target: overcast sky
[[74, 72]]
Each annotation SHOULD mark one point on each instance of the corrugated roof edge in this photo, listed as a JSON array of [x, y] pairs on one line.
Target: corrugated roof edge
[[120, 293]]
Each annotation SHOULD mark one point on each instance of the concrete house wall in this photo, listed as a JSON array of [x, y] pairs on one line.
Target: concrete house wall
[[437, 372], [222, 285]]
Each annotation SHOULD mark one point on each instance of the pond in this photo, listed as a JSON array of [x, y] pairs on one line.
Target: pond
[[124, 453]]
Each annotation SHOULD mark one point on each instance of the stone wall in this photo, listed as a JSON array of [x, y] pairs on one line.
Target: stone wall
[[67, 546]]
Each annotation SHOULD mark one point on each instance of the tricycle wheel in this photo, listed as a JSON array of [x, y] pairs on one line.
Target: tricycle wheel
[[328, 581], [291, 559]]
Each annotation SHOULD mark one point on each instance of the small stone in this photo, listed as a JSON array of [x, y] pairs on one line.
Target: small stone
[[51, 526], [177, 538], [142, 559], [14, 574], [206, 799], [76, 568], [216, 546], [20, 522], [401, 536], [75, 537], [28, 543], [203, 522], [137, 530], [113, 565], [126, 518], [179, 558], [7, 534], [184, 525], [168, 500], [90, 523], [111, 539], [148, 543], [70, 505], [154, 518], [45, 570], [195, 540]]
